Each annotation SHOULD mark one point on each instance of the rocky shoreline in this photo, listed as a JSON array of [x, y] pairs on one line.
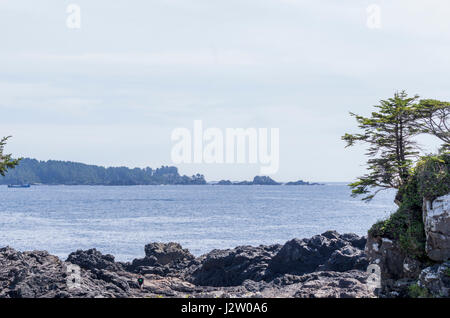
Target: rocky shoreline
[[326, 265]]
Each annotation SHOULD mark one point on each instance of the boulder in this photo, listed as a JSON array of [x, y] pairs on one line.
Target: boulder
[[355, 240], [171, 271], [162, 259], [397, 271], [234, 266], [38, 274], [165, 253], [388, 255], [436, 218], [93, 259], [330, 251], [345, 259], [436, 279]]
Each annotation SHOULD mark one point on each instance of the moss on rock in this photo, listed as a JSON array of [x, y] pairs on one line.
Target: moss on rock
[[433, 177], [415, 291], [429, 179]]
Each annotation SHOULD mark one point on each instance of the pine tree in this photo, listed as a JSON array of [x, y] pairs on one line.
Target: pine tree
[[389, 133], [434, 119], [6, 160]]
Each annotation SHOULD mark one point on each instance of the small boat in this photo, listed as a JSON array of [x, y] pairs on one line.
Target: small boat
[[19, 185]]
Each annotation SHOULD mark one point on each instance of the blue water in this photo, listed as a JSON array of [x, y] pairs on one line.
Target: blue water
[[121, 220]]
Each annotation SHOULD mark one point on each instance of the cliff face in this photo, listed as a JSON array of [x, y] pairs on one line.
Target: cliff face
[[327, 265], [400, 272], [415, 238], [436, 218]]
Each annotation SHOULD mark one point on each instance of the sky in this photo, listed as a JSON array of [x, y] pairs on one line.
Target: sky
[[112, 91]]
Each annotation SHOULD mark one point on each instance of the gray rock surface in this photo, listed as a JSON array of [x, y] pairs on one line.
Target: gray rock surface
[[328, 251], [171, 271], [93, 259], [436, 218], [164, 259], [398, 271], [232, 267], [436, 279]]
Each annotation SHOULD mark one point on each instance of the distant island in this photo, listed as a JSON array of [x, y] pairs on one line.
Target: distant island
[[55, 172], [32, 171], [264, 180]]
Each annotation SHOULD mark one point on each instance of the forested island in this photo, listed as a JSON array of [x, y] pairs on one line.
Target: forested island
[[33, 171], [54, 172]]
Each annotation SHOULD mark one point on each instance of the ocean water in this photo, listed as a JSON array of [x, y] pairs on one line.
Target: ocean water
[[121, 220]]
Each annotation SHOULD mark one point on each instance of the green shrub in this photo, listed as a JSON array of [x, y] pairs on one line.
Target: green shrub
[[429, 179], [415, 291], [433, 176]]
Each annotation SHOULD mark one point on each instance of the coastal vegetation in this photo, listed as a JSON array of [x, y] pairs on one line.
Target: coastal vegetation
[[6, 160], [53, 172], [394, 163], [389, 134], [429, 179], [74, 173]]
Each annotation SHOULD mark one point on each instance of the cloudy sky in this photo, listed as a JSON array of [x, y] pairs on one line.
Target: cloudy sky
[[111, 92]]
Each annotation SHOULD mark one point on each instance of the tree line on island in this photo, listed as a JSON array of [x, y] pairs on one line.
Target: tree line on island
[[53, 172], [32, 171]]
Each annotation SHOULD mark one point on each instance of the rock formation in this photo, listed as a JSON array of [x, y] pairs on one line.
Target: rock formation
[[399, 270], [436, 279], [436, 218], [327, 265]]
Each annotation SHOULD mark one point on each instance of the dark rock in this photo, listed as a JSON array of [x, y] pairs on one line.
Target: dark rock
[[436, 279], [39, 274], [232, 267], [264, 180], [162, 259], [351, 284], [397, 270], [112, 277], [167, 253], [329, 250], [436, 217], [346, 259], [388, 255], [355, 240], [331, 234], [93, 259], [171, 271]]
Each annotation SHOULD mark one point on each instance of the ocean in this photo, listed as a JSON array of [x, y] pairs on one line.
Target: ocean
[[120, 220]]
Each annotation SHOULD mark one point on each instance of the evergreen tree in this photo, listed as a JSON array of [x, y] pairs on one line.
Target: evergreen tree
[[6, 160], [434, 118], [389, 133]]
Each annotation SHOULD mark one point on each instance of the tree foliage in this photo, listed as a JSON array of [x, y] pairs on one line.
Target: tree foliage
[[6, 160], [74, 173], [388, 133], [434, 118]]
